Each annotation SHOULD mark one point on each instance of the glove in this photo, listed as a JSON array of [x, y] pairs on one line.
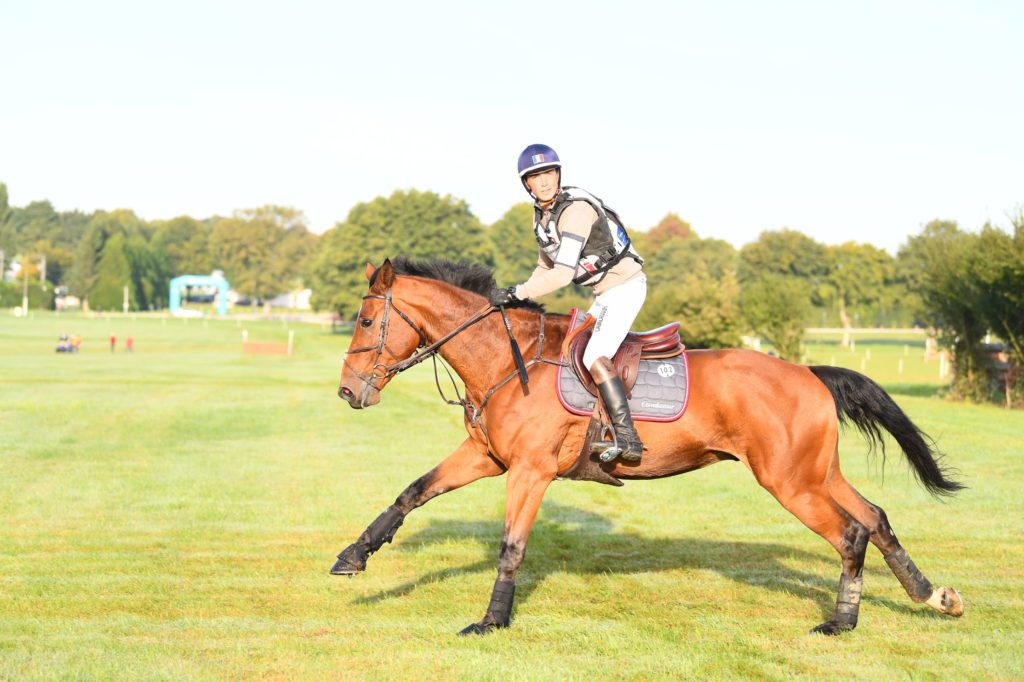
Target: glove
[[504, 296]]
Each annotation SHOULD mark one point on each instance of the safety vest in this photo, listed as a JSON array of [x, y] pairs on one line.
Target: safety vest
[[607, 244]]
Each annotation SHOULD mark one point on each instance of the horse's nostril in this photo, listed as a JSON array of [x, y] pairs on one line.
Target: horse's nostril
[[345, 393]]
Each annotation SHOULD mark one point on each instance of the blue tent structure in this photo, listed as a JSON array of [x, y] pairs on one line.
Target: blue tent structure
[[219, 283]]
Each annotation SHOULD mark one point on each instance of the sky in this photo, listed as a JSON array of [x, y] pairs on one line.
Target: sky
[[848, 121]]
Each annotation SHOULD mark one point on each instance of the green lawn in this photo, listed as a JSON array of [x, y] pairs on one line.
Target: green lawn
[[173, 513]]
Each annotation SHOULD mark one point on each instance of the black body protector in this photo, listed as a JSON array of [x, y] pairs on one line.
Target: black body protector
[[607, 245]]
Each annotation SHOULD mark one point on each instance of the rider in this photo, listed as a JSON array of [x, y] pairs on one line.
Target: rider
[[583, 241]]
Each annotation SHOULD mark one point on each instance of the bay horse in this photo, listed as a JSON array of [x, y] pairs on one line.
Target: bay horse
[[778, 419]]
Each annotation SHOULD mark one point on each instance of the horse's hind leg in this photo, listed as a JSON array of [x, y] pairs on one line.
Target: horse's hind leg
[[943, 599], [819, 512], [468, 463], [808, 498]]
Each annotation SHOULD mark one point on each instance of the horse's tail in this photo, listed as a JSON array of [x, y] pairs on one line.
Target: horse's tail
[[868, 406]]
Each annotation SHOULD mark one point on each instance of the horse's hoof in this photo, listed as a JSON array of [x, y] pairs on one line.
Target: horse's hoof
[[484, 627], [831, 628], [946, 600], [351, 561]]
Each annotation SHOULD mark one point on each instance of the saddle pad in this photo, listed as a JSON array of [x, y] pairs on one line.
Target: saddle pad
[[660, 394]]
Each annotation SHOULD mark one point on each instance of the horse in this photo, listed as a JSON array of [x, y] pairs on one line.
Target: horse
[[780, 420]]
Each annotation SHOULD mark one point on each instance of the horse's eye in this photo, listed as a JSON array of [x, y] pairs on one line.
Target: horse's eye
[[365, 322]]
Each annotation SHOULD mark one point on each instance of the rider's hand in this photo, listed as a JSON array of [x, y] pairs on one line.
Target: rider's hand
[[502, 296]]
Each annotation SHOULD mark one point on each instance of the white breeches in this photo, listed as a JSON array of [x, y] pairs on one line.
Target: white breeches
[[614, 312]]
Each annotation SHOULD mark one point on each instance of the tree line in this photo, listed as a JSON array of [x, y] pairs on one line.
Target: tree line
[[961, 284], [263, 252]]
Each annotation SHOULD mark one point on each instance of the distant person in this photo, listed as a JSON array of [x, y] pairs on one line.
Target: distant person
[[76, 343], [113, 343], [129, 344], [583, 241]]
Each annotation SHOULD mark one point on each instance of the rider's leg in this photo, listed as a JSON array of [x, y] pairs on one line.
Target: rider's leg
[[613, 393], [614, 311]]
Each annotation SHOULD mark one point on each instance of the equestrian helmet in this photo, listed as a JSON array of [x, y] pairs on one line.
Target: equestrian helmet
[[537, 157]]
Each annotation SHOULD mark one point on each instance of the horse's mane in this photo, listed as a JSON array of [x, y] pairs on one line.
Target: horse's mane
[[469, 276]]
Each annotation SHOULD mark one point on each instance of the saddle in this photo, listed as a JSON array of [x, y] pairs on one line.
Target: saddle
[[663, 342]]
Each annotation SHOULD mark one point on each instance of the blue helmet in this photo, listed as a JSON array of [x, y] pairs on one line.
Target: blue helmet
[[537, 157]]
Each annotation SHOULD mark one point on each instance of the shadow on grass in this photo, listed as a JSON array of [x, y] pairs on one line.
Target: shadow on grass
[[568, 539]]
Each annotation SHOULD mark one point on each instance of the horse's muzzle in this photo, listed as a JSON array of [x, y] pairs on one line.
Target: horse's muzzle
[[365, 398], [345, 393]]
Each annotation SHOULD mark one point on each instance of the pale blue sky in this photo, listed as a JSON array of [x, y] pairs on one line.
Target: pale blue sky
[[847, 121]]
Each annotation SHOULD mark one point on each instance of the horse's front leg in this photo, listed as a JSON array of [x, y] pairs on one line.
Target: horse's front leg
[[527, 484], [469, 462]]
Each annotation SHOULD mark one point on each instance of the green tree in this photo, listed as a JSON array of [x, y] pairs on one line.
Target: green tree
[[103, 225], [150, 274], [785, 252], [8, 241], [5, 205], [514, 246], [58, 260], [857, 277], [998, 268], [38, 297], [113, 273], [415, 224], [937, 264], [294, 256], [185, 245], [775, 306], [72, 225], [243, 249], [128, 260], [35, 223], [707, 307], [678, 257], [263, 251], [692, 280]]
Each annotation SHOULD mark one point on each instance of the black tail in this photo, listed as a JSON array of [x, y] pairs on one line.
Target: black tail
[[868, 406]]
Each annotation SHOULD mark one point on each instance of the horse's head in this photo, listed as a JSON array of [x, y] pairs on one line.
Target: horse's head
[[384, 336]]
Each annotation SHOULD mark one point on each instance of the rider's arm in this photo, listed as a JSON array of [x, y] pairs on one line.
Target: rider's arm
[[574, 226]]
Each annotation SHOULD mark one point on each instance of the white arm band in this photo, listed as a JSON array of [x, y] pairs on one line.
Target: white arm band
[[569, 250]]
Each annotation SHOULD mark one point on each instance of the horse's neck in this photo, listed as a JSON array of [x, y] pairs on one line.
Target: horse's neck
[[481, 354]]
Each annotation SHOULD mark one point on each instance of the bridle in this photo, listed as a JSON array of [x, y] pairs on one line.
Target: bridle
[[380, 372]]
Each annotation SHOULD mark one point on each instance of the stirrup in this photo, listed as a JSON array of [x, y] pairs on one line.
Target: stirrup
[[611, 452], [606, 450]]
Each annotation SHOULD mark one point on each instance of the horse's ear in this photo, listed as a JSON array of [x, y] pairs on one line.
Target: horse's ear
[[386, 273], [382, 278], [370, 270]]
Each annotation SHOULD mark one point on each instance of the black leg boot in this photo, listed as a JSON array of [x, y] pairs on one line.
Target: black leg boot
[[613, 393]]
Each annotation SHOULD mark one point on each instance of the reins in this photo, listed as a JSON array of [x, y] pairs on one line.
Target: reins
[[380, 371]]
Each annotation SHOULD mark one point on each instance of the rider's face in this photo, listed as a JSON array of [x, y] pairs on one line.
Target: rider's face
[[544, 184]]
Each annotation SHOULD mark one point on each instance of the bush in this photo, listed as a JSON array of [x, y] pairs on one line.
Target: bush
[[11, 293]]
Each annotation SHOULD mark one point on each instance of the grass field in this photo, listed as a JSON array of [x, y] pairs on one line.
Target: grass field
[[173, 513]]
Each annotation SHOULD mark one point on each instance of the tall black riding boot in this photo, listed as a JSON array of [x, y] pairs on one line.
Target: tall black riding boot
[[613, 393]]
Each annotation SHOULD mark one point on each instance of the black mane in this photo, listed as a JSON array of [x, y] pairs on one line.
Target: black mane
[[464, 275]]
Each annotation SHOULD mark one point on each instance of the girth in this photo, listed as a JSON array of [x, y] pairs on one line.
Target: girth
[[663, 342]]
